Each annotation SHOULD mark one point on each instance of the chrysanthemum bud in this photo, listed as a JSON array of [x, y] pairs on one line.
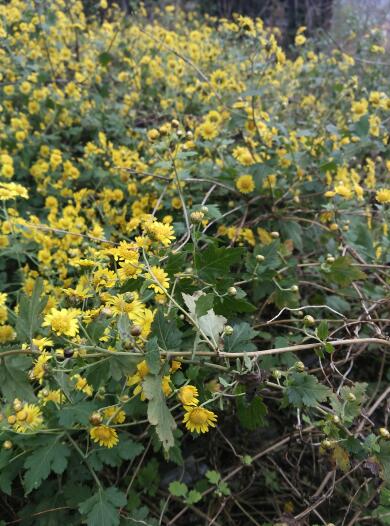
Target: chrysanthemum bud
[[175, 123], [275, 235], [11, 419], [228, 330], [294, 288], [277, 374], [17, 405], [197, 216], [351, 397], [135, 330], [7, 444], [299, 366], [204, 209], [232, 291], [309, 320], [326, 444], [96, 419], [260, 258], [384, 433], [330, 259]]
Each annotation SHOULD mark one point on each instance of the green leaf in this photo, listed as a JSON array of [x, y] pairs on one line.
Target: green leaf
[[78, 413], [203, 304], [304, 389], [105, 58], [322, 330], [342, 272], [178, 489], [14, 381], [213, 476], [152, 356], [96, 329], [168, 335], [30, 312], [124, 327], [212, 325], [215, 262], [251, 414], [158, 413], [193, 497], [239, 340], [101, 508], [53, 456]]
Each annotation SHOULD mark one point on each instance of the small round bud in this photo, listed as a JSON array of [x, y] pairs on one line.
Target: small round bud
[[11, 419], [189, 270], [300, 313], [336, 419], [345, 228], [124, 398], [68, 353], [17, 405], [106, 311], [129, 297], [351, 397], [231, 204], [277, 374], [96, 419], [260, 258], [45, 392], [330, 259], [299, 366], [275, 235], [326, 444], [294, 288], [179, 133], [309, 320], [153, 134], [175, 123], [7, 444], [21, 415], [384, 433], [135, 330], [197, 217], [228, 330], [232, 291], [190, 135], [181, 316], [204, 209]]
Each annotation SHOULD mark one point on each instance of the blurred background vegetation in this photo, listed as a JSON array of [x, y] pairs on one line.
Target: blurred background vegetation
[[336, 17]]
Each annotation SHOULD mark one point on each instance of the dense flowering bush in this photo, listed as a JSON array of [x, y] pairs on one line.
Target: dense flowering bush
[[194, 272]]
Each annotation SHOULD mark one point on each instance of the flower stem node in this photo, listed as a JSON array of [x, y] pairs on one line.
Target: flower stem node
[[232, 291]]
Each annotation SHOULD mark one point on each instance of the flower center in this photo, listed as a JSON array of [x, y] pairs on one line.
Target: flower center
[[198, 416]]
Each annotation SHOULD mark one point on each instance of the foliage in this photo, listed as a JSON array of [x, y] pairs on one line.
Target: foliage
[[194, 271]]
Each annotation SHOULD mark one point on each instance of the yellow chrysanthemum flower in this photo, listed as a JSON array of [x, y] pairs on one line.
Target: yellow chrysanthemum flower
[[199, 419], [383, 195], [39, 369], [188, 395], [114, 414], [28, 418], [160, 279], [62, 322], [245, 184], [104, 435]]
